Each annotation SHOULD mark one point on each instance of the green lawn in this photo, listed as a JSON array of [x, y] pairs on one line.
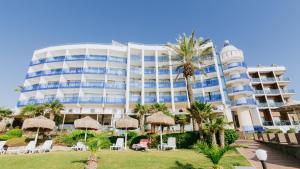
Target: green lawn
[[179, 159]]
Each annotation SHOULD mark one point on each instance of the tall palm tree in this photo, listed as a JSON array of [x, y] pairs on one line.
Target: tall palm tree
[[190, 51], [32, 110], [54, 109], [182, 120], [141, 110], [159, 107], [4, 113]]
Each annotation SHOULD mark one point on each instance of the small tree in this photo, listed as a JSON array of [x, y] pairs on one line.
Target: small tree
[[32, 110], [94, 145], [5, 113], [141, 110], [159, 107], [54, 110], [182, 120], [214, 152]]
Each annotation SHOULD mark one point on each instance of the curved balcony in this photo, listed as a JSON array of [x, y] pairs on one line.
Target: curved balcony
[[163, 71], [117, 59], [117, 72], [70, 85], [116, 85], [236, 66], [243, 103], [149, 58], [163, 58], [179, 84], [211, 98], [115, 100], [92, 85], [164, 84], [246, 90], [135, 99], [149, 84], [149, 71], [232, 55], [243, 77], [135, 84]]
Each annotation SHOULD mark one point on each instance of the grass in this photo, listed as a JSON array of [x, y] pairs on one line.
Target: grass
[[178, 159]]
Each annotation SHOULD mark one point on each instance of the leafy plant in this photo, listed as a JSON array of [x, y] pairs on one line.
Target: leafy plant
[[214, 152], [291, 130], [5, 112], [94, 144], [141, 110], [13, 133], [182, 120], [15, 142], [267, 130], [231, 136]]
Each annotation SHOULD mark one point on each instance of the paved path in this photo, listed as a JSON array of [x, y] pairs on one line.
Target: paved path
[[276, 159]]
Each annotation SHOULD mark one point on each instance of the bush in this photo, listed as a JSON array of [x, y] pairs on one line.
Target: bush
[[291, 130], [230, 136], [183, 140], [13, 133], [104, 142], [73, 138], [15, 142]]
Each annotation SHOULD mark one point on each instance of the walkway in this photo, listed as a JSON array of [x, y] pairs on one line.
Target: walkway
[[276, 160]]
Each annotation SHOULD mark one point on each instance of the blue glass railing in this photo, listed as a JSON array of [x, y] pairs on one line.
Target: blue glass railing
[[149, 84], [163, 58], [137, 71], [211, 98], [237, 89], [136, 84], [149, 71], [70, 85], [115, 100], [92, 85], [55, 59], [283, 79], [233, 65], [165, 99], [73, 71], [135, 57], [149, 99], [94, 70], [248, 101], [149, 58], [117, 59], [135, 99], [96, 57], [210, 82], [115, 71], [115, 85], [197, 84], [241, 76], [164, 71], [91, 100], [275, 104], [268, 79], [179, 84], [68, 100], [164, 84], [75, 57], [180, 98]]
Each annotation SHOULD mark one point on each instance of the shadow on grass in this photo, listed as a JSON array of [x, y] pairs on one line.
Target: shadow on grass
[[80, 161], [179, 165]]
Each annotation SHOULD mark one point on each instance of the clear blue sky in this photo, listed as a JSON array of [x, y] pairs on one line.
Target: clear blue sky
[[268, 31]]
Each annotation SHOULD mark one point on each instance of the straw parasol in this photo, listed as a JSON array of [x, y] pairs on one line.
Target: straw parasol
[[2, 126], [160, 119], [38, 123], [127, 123], [290, 106], [87, 123]]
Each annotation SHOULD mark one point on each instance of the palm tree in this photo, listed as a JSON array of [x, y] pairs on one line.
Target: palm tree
[[141, 110], [94, 145], [182, 120], [201, 112], [32, 110], [159, 107], [190, 51], [54, 109], [4, 113]]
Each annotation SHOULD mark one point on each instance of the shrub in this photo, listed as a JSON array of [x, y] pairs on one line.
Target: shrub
[[13, 133], [230, 136], [104, 142], [183, 140], [65, 140], [15, 142], [291, 130]]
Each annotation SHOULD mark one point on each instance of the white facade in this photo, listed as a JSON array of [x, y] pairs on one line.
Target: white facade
[[107, 80]]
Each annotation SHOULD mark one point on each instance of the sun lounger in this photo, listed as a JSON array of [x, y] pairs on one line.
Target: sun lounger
[[2, 148], [143, 145], [171, 144], [79, 147], [31, 147], [46, 147], [119, 144]]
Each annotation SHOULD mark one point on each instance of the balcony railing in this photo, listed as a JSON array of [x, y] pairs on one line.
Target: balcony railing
[[115, 85], [262, 105], [150, 71], [149, 58], [135, 99], [164, 84], [91, 100], [282, 123], [117, 59], [163, 58], [259, 92], [179, 84], [268, 79], [241, 102], [115, 100], [70, 85], [164, 71], [234, 65], [283, 79], [96, 57], [288, 91], [182, 98], [268, 123], [149, 84], [241, 76], [165, 99], [149, 99], [92, 85], [272, 91], [75, 57], [255, 79], [136, 84], [242, 89], [115, 71], [211, 98], [94, 70], [275, 104]]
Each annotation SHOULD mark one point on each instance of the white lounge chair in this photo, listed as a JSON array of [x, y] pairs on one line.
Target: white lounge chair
[[2, 149], [46, 147], [119, 144], [79, 147], [171, 144], [31, 147]]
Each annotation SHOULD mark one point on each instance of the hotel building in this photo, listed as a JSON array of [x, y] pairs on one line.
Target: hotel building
[[107, 80]]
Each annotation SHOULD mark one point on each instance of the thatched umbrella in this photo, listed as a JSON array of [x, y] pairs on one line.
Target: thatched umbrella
[[160, 119], [87, 123], [2, 126], [290, 106], [127, 123], [38, 123]]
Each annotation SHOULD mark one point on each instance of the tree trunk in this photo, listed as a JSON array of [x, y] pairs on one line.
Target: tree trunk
[[222, 138], [181, 128], [92, 162], [213, 138], [191, 98], [51, 116], [142, 125]]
